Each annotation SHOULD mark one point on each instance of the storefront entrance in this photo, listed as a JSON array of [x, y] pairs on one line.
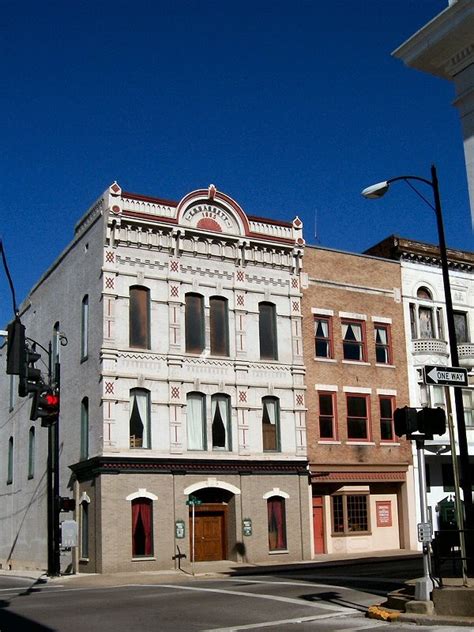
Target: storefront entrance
[[210, 533]]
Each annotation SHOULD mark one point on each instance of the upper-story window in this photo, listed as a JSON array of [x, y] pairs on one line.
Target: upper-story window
[[221, 430], [219, 326], [194, 323], [31, 452], [85, 327], [357, 417], [139, 317], [460, 326], [323, 337], [387, 431], [383, 349], [84, 449], [271, 424], [139, 418], [196, 421], [327, 417], [426, 320], [267, 331], [10, 461], [353, 340]]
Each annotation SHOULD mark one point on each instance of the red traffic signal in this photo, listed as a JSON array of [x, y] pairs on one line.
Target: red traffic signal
[[45, 406]]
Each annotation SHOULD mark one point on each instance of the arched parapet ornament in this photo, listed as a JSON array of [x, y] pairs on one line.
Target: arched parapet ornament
[[211, 482]]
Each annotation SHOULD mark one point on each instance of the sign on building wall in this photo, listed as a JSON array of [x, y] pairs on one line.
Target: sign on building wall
[[247, 526], [179, 529], [383, 510], [69, 533]]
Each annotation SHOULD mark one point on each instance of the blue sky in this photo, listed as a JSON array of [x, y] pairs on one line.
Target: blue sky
[[291, 108]]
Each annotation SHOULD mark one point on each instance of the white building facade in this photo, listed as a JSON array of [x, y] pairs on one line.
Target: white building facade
[[427, 344], [183, 378]]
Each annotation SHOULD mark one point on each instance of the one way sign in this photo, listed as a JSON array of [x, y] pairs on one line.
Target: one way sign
[[445, 375]]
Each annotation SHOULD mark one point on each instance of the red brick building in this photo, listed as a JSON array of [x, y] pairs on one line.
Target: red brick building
[[356, 375]]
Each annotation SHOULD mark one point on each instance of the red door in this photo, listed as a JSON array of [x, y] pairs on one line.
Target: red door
[[318, 524]]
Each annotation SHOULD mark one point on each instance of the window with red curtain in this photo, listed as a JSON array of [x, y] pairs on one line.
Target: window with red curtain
[[276, 524], [142, 527]]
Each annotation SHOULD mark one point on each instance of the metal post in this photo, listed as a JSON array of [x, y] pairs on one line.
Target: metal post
[[466, 479], [423, 585], [194, 536], [457, 495]]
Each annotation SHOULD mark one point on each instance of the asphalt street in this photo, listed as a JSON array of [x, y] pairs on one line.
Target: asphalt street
[[329, 600]]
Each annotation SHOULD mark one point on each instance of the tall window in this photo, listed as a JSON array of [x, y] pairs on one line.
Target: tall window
[[10, 462], [267, 331], [84, 451], [460, 326], [196, 421], [353, 341], [350, 513], [142, 527], [327, 426], [84, 518], [194, 323], [468, 404], [276, 524], [387, 432], [426, 321], [357, 419], [85, 327], [139, 418], [219, 326], [323, 337], [221, 430], [271, 424], [55, 344], [139, 317], [31, 452], [382, 344]]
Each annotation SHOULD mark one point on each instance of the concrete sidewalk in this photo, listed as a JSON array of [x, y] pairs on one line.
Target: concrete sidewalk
[[441, 611]]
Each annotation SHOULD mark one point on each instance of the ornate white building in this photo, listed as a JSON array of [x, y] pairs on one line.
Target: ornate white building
[[427, 344], [183, 377]]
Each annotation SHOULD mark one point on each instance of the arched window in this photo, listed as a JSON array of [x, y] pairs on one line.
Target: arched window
[[142, 527], [221, 429], [55, 345], [267, 331], [31, 452], [194, 323], [271, 424], [84, 450], [84, 518], [276, 523], [10, 462], [196, 421], [85, 327], [424, 294], [219, 326], [139, 418], [139, 317]]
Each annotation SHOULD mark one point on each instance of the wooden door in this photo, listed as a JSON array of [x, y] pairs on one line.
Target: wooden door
[[209, 541], [318, 524]]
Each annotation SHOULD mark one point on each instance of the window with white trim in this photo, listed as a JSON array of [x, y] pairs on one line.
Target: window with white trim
[[271, 424], [139, 418], [196, 421], [353, 340]]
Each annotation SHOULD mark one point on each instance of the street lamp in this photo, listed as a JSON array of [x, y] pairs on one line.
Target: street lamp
[[377, 191]]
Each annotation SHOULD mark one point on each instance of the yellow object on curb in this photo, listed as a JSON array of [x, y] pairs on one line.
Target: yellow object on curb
[[376, 612]]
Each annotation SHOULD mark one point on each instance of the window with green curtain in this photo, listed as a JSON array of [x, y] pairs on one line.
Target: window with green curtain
[[31, 452], [84, 451]]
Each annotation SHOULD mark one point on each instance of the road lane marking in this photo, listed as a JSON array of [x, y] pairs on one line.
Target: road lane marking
[[240, 593], [30, 587], [268, 624]]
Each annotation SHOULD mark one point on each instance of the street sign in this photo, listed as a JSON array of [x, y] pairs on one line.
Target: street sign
[[193, 501], [445, 375]]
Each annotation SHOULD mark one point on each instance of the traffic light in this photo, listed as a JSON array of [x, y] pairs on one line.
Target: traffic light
[[432, 421], [405, 421], [30, 377], [15, 347], [66, 504], [45, 406]]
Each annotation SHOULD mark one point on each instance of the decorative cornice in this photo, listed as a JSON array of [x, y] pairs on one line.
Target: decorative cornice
[[356, 477], [132, 465]]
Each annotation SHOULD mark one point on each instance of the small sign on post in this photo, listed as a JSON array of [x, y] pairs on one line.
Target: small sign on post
[[445, 375]]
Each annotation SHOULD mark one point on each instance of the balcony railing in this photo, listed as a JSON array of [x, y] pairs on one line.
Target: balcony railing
[[431, 346], [466, 354]]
